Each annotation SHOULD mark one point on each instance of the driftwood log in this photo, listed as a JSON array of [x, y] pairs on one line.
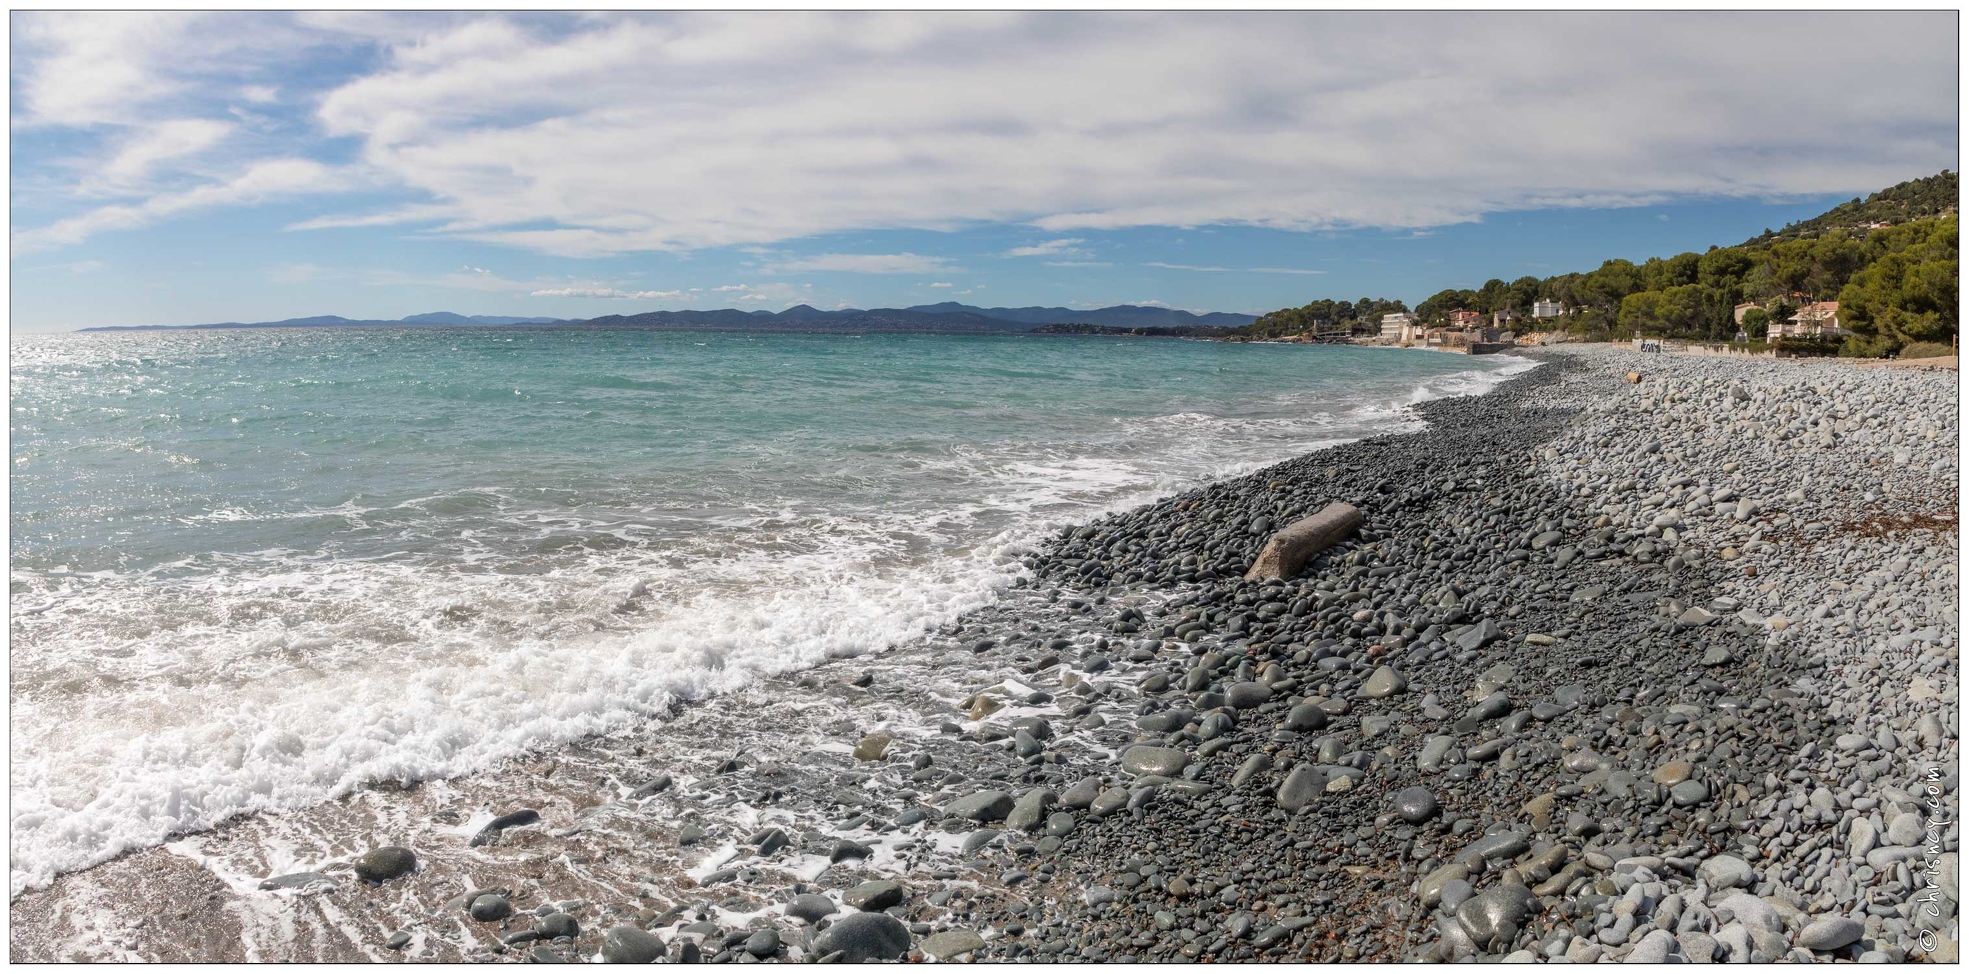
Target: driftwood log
[[1290, 549]]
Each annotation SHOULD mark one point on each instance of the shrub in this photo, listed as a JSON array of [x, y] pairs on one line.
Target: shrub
[[1927, 350], [1804, 348]]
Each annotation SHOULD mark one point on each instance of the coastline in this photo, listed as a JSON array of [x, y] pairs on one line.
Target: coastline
[[1208, 861], [311, 733]]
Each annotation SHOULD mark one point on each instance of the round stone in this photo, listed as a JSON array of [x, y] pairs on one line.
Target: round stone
[[557, 925], [763, 943], [864, 937], [874, 896], [1830, 933], [1385, 682], [811, 907], [1455, 892], [984, 806], [1726, 872], [1244, 696], [384, 864], [1673, 773], [1165, 761], [1305, 717], [491, 907], [1416, 805], [630, 945]]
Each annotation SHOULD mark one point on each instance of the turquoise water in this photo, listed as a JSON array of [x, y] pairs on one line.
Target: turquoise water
[[255, 569]]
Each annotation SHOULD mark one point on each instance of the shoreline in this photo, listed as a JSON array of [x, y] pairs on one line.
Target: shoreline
[[901, 600], [1160, 864]]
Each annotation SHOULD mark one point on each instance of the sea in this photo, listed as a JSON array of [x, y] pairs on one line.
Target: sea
[[254, 570]]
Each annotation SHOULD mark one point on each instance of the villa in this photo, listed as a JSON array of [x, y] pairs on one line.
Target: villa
[[1819, 319]]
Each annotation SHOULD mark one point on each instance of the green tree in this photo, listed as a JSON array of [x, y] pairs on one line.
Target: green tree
[[1522, 292], [1724, 268], [1436, 308], [1615, 280], [1907, 293], [1671, 311]]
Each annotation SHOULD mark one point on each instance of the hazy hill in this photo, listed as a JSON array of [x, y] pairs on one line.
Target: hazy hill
[[447, 318], [802, 318], [1915, 199], [1119, 316], [946, 317]]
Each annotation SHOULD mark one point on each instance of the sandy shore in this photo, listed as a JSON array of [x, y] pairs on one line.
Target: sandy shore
[[1614, 671]]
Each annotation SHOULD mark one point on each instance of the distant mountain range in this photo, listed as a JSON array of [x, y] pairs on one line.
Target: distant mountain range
[[1119, 316], [946, 317], [803, 318], [447, 318]]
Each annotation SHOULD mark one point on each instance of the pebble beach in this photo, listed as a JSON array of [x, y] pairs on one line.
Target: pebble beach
[[1636, 658]]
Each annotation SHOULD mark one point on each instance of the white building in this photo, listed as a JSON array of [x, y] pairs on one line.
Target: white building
[[1545, 308], [1398, 326], [1817, 320]]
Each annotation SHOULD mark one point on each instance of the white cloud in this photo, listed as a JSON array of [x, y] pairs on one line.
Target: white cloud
[[406, 214], [1282, 270], [149, 147], [1065, 121], [863, 264], [262, 181], [1182, 267], [96, 67], [760, 297], [606, 292], [941, 284], [260, 94], [1079, 263], [1049, 248], [730, 287], [542, 132]]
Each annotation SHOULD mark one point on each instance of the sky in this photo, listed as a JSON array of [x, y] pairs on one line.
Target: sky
[[179, 168]]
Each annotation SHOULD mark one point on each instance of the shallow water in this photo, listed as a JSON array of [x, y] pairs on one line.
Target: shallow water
[[254, 570]]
